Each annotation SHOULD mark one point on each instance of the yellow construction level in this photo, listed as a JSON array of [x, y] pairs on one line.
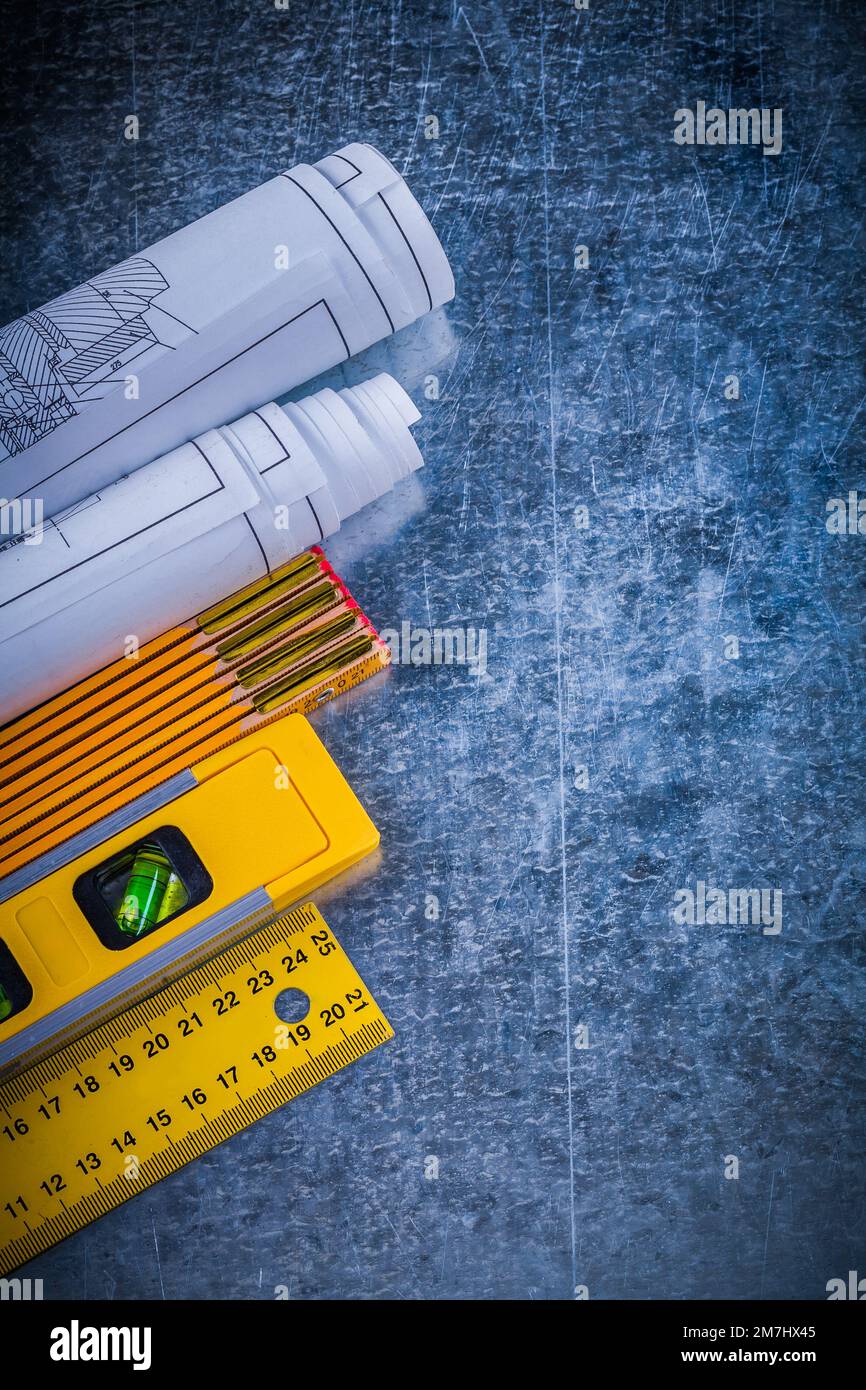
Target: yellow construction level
[[175, 1075], [255, 829]]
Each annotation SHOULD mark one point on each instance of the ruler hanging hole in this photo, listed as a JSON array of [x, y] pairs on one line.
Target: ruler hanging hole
[[291, 1005]]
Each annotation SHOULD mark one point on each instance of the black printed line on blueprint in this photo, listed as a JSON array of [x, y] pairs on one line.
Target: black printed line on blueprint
[[58, 356], [355, 258], [397, 224], [285, 459], [338, 186], [396, 172], [257, 539], [271, 430], [319, 303], [169, 516], [96, 390]]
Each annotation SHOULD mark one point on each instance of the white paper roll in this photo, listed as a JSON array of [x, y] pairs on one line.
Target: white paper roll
[[184, 531], [243, 305]]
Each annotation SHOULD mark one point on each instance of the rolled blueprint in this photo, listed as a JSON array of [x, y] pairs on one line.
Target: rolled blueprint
[[240, 307], [180, 533]]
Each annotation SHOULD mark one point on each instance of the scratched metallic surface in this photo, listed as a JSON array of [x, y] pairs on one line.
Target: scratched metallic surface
[[558, 1165]]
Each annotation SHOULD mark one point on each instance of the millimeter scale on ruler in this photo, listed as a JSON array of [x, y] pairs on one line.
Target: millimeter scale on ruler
[[173, 1076]]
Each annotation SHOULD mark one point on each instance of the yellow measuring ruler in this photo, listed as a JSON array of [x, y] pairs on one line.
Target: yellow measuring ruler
[[173, 1076]]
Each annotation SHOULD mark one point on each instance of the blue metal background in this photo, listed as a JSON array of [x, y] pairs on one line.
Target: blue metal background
[[558, 1166]]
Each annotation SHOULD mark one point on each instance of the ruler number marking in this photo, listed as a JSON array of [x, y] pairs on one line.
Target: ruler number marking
[[169, 1099]]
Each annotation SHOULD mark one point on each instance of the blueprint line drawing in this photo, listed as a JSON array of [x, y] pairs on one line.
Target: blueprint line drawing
[[238, 307], [79, 348], [178, 534]]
